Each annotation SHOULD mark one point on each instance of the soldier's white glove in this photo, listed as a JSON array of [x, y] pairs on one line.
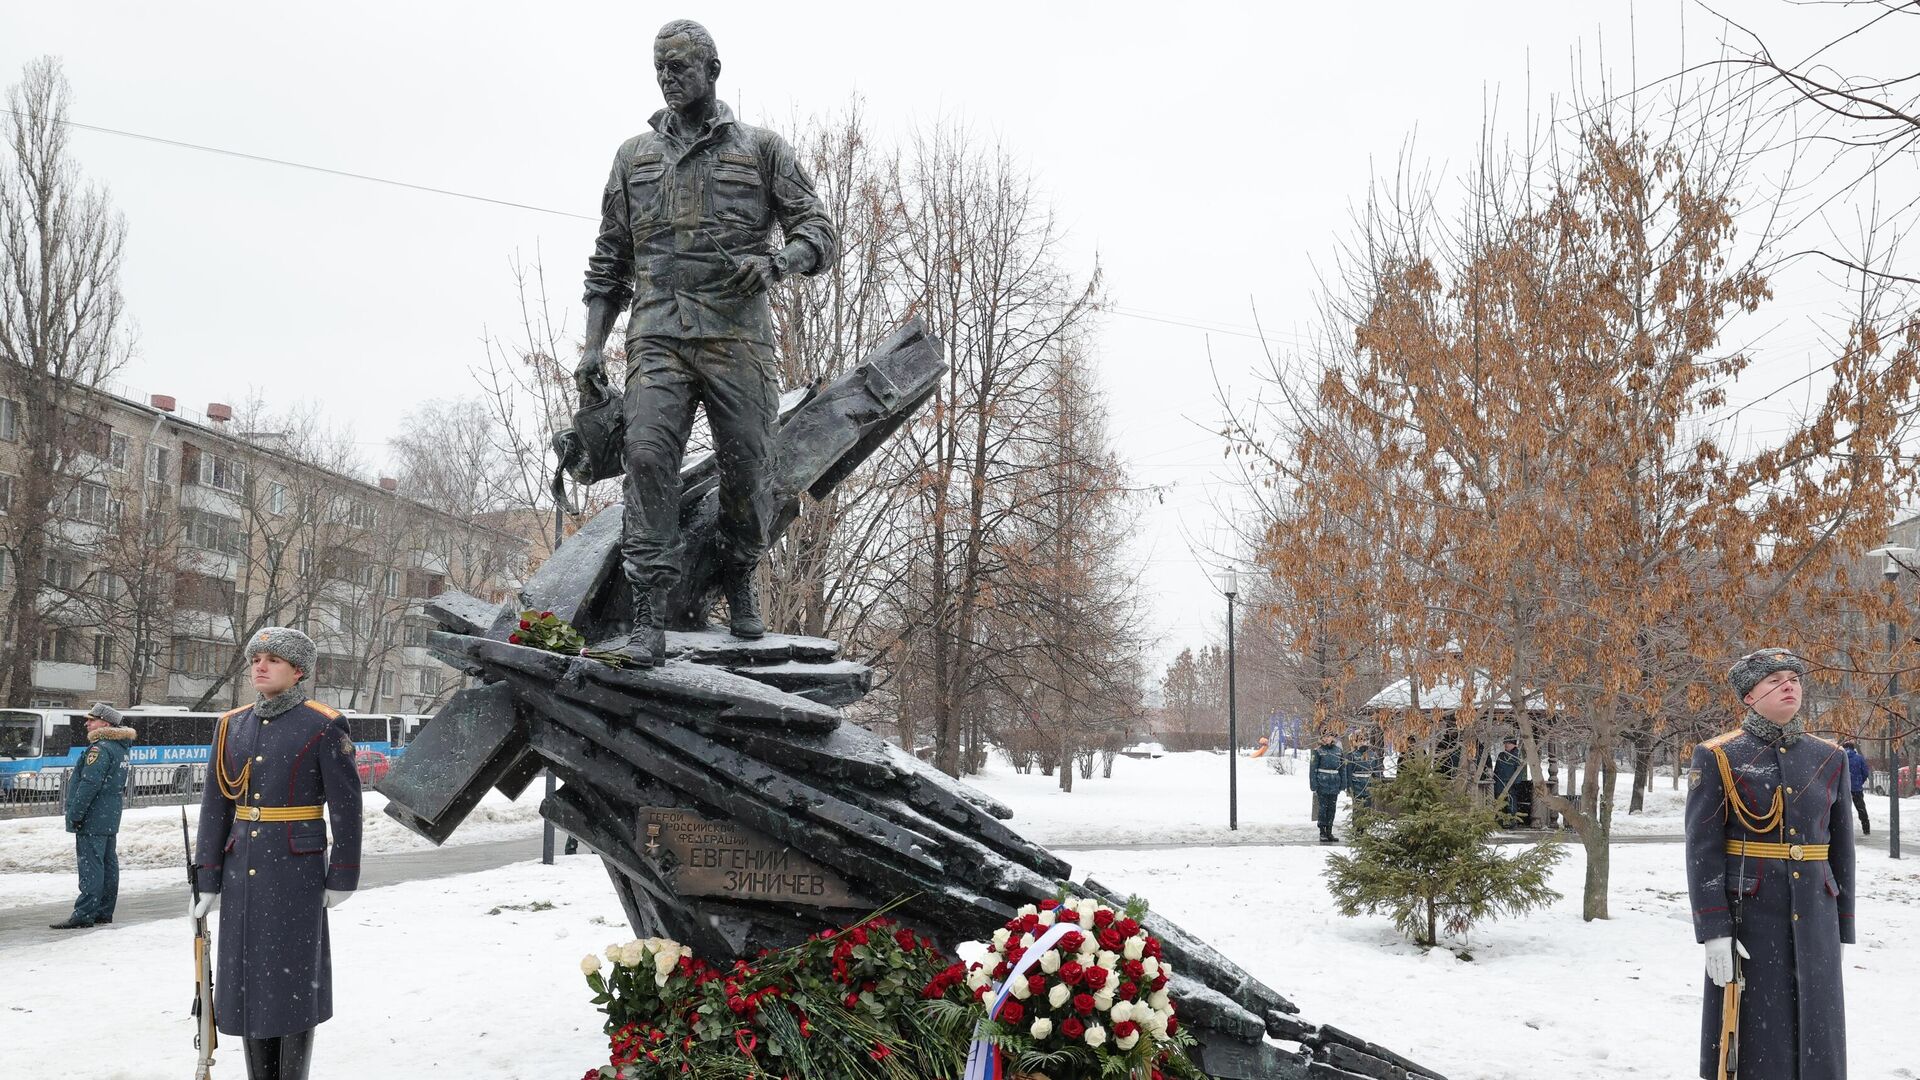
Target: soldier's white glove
[[1720, 959], [205, 906], [336, 897]]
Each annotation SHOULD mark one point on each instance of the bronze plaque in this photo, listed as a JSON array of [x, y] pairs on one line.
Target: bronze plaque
[[722, 858]]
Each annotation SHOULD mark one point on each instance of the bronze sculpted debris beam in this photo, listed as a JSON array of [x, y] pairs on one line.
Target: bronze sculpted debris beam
[[732, 806]]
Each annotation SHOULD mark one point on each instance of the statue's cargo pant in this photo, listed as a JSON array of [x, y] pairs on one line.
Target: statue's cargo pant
[[666, 377]]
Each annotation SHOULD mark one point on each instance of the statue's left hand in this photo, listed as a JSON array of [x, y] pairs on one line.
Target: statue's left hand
[[755, 274]]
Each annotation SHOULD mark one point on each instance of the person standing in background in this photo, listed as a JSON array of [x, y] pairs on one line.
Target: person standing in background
[[1859, 772], [94, 801]]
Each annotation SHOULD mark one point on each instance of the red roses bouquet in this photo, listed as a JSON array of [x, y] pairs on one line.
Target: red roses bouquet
[[545, 630], [1071, 989]]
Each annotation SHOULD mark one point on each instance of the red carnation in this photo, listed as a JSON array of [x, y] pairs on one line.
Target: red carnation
[[1173, 1025], [904, 939], [1129, 991], [859, 935], [1001, 970], [1111, 940], [1072, 1028], [853, 999], [1096, 978], [1125, 1028], [1071, 941], [525, 625], [880, 1052], [1049, 905], [546, 614], [1036, 984], [513, 639], [1071, 973], [1083, 1003], [1103, 918], [1012, 1011]]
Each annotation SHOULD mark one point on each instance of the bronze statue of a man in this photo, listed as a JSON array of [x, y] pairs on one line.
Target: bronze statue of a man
[[685, 233]]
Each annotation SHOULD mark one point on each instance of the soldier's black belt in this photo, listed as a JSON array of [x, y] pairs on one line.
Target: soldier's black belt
[[279, 813], [1794, 852]]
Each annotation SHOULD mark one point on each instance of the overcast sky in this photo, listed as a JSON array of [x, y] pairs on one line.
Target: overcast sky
[[1209, 153]]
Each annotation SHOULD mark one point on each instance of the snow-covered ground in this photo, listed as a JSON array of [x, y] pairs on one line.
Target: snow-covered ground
[[458, 977], [1193, 810], [36, 854], [445, 979]]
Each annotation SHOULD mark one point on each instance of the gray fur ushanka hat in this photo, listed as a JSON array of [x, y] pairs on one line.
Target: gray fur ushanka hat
[[286, 643], [1746, 672], [103, 711]]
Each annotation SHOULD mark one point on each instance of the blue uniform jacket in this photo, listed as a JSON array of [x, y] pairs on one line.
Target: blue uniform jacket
[[98, 791], [1858, 769], [1327, 767], [274, 962]]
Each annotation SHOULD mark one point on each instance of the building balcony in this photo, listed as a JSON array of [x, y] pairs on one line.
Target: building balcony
[[71, 678], [210, 499], [187, 689]]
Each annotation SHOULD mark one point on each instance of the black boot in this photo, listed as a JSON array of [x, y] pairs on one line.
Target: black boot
[[296, 1053], [647, 645], [743, 606], [74, 922], [263, 1058]]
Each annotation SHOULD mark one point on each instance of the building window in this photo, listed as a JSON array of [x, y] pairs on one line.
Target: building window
[[102, 652], [336, 671], [417, 634], [200, 659], [306, 562], [212, 532], [393, 583], [6, 493], [119, 448], [199, 592], [277, 498], [59, 646], [60, 573], [386, 683], [429, 680], [9, 420], [88, 502], [158, 463]]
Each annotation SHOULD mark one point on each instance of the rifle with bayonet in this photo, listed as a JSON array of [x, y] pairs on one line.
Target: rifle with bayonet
[[205, 1036], [1730, 993]]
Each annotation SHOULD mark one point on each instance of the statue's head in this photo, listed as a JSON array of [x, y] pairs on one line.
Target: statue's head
[[686, 63]]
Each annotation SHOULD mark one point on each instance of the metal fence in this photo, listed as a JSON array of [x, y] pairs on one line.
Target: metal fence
[[45, 794]]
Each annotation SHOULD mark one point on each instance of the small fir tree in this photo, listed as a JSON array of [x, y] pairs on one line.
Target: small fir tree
[[1422, 856]]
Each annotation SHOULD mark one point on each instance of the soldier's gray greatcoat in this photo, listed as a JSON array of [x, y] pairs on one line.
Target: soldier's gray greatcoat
[[273, 975], [1794, 915]]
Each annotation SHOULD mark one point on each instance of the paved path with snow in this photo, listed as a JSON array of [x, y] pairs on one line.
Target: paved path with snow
[[29, 923]]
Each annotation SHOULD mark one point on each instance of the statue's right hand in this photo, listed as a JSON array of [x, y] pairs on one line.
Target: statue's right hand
[[590, 378], [1720, 959], [206, 905]]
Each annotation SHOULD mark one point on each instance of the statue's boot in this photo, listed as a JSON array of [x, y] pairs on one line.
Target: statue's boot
[[743, 606], [647, 645], [263, 1058], [296, 1053]]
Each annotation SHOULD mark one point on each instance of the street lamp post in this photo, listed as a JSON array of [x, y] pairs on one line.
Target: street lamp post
[[1230, 584], [1896, 716]]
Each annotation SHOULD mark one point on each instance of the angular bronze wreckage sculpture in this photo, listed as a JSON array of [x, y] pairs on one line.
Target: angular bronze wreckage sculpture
[[734, 807]]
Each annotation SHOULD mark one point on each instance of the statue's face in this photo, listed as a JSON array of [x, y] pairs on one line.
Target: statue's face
[[685, 71]]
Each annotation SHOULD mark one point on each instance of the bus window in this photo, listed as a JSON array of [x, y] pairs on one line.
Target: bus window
[[19, 736], [367, 728]]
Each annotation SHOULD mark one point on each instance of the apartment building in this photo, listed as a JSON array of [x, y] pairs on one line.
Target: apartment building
[[182, 533]]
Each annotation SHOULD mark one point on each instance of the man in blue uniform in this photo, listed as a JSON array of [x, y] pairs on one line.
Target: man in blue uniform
[[94, 799], [1327, 775], [1506, 773], [1770, 871], [280, 771], [1858, 771], [1363, 768], [685, 245]]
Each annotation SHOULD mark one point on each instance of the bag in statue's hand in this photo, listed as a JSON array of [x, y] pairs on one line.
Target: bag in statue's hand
[[592, 449]]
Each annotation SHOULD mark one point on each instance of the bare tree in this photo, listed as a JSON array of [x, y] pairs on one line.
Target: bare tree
[[62, 332]]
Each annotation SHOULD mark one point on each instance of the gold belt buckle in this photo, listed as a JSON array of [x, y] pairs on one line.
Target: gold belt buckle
[[251, 813], [1796, 853]]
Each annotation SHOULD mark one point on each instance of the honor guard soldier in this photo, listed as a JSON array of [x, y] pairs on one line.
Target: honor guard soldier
[[1770, 872], [281, 770], [94, 797], [1327, 775]]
